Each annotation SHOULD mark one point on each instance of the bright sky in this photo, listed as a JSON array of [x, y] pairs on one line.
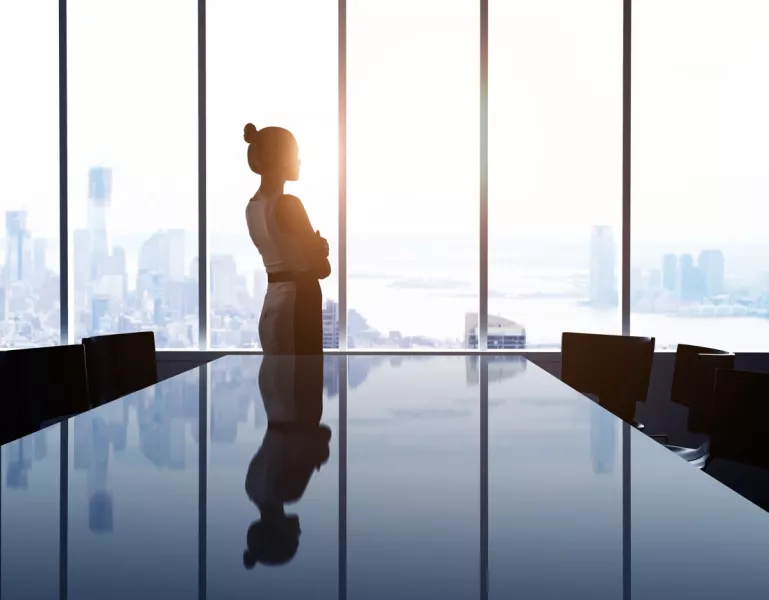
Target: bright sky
[[700, 123]]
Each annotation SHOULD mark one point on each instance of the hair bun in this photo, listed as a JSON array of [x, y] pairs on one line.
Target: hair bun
[[249, 133]]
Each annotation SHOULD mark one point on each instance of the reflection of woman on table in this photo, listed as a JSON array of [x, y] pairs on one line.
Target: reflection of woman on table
[[294, 447]]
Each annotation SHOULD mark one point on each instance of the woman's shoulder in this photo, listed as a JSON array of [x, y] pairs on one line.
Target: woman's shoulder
[[289, 202], [290, 213]]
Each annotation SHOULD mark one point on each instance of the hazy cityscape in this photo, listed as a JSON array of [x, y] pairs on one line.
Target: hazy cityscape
[[161, 294]]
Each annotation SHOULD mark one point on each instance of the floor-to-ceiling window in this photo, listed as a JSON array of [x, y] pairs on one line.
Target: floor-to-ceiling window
[[133, 185], [555, 170], [155, 165], [412, 172], [29, 174], [700, 257], [270, 64]]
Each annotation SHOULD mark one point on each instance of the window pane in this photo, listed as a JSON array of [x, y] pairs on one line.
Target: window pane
[[270, 64], [29, 183], [133, 167], [700, 183], [413, 155], [555, 170]]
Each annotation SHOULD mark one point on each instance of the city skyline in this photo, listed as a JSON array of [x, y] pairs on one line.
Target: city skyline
[[162, 292]]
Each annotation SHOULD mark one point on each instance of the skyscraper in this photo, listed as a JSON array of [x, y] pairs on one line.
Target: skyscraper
[[670, 273], [176, 255], [222, 283], [99, 197], [82, 261], [603, 283], [711, 263], [691, 279], [39, 260], [331, 324], [17, 245]]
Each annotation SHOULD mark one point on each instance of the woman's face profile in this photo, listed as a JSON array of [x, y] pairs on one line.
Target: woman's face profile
[[294, 164]]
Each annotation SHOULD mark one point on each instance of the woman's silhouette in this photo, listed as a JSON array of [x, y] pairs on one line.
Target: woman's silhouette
[[294, 255]]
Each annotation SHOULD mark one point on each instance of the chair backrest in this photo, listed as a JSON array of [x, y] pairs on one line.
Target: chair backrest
[[119, 364], [740, 430], [700, 390], [40, 385], [615, 368], [685, 387]]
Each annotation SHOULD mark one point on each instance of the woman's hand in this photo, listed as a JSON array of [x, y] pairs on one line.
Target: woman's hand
[[323, 267], [323, 244]]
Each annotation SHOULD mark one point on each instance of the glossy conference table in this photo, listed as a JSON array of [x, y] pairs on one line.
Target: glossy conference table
[[445, 477]]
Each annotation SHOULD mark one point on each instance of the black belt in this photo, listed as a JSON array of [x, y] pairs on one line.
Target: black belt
[[283, 276]]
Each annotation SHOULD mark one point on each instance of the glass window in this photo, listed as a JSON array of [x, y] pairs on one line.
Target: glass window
[[413, 172], [133, 168], [29, 184], [270, 64], [555, 170], [700, 183]]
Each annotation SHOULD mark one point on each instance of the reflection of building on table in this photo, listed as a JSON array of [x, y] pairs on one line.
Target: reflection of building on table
[[163, 413], [603, 439], [20, 456], [499, 368], [95, 434]]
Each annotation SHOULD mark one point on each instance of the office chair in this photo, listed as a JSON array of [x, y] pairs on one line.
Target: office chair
[[615, 368], [693, 386], [40, 387], [119, 364]]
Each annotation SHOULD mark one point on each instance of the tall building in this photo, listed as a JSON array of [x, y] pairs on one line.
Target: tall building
[[691, 279], [711, 263], [154, 255], [670, 273], [99, 198], [603, 282], [655, 279], [603, 440], [39, 262], [176, 255], [82, 258], [17, 252], [331, 324], [100, 311], [223, 281]]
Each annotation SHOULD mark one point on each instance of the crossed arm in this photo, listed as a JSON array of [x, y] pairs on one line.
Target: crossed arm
[[292, 218]]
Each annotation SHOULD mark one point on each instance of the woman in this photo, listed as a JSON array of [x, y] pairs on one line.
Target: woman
[[294, 255]]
